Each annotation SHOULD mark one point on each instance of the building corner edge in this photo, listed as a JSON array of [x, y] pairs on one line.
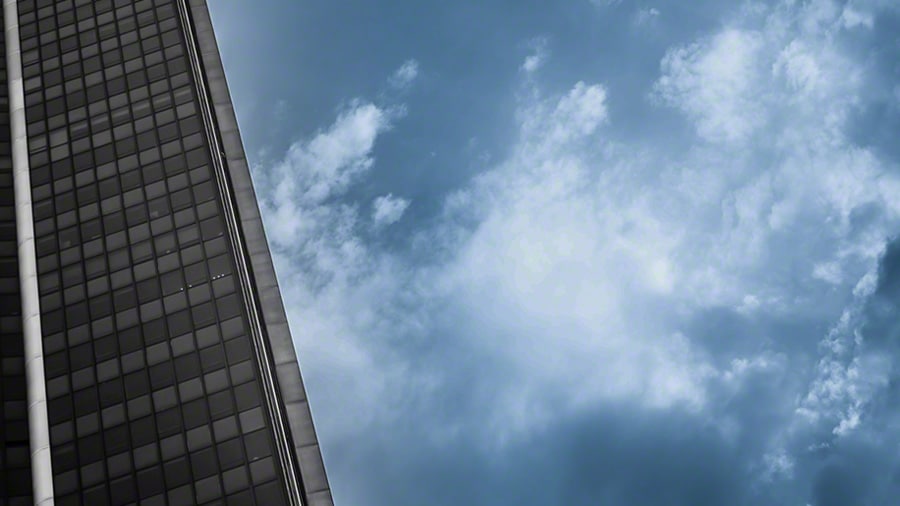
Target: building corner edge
[[304, 442]]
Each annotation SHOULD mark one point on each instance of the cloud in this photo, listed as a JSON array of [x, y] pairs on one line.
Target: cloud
[[405, 75], [712, 81], [547, 233], [729, 300], [320, 253], [830, 272], [314, 170], [853, 18], [388, 209], [646, 16], [849, 374], [539, 54]]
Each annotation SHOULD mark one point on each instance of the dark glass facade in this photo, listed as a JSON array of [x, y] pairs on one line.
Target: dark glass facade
[[156, 386]]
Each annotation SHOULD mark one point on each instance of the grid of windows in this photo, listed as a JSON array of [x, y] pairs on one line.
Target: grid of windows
[[15, 462], [153, 390]]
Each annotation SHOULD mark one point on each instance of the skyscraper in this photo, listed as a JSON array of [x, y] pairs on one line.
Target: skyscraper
[[146, 357]]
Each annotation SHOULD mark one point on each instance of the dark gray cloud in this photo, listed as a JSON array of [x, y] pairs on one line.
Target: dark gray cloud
[[596, 459]]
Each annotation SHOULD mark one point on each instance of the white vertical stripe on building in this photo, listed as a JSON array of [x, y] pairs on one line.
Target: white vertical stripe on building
[[38, 424]]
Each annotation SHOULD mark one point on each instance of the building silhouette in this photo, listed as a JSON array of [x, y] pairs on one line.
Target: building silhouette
[[146, 357]]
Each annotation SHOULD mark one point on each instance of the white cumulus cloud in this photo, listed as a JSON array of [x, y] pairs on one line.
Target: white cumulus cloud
[[388, 209], [538, 56], [405, 75], [713, 82], [576, 266]]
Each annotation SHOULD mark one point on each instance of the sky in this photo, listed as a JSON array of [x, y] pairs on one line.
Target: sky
[[585, 252]]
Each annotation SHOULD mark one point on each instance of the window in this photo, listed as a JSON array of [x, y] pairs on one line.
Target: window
[[225, 429], [262, 470], [113, 416], [146, 455], [198, 437], [230, 452]]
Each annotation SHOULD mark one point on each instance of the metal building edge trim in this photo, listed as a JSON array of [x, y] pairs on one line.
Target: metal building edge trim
[[38, 422], [291, 405], [284, 451]]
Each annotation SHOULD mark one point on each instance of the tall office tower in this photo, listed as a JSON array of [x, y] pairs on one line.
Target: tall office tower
[[146, 357]]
